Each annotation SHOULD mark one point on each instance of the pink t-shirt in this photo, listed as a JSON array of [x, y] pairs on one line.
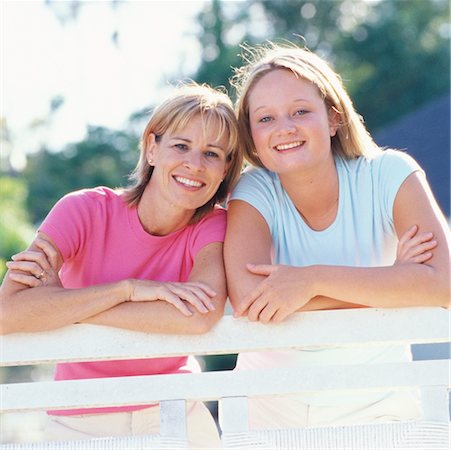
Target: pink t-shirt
[[102, 240]]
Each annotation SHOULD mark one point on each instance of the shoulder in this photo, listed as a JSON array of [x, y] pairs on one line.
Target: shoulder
[[255, 181], [393, 159], [217, 217], [93, 198], [256, 174], [386, 161]]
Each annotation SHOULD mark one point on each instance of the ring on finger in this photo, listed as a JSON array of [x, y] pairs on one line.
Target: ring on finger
[[40, 275]]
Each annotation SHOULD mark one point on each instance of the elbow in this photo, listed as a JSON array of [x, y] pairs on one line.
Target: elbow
[[440, 291]]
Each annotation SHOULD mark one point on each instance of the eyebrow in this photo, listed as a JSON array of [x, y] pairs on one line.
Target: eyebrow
[[297, 100], [189, 141]]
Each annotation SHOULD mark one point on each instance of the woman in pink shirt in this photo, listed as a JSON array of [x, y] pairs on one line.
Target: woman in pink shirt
[[145, 258]]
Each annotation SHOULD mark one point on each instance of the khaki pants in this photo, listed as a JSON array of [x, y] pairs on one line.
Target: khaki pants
[[288, 412], [202, 431]]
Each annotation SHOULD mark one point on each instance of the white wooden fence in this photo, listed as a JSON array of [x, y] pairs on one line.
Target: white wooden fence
[[232, 388]]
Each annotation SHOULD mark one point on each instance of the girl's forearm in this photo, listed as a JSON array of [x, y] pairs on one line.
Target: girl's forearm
[[393, 286]]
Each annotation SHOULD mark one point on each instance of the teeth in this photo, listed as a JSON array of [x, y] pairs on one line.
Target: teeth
[[288, 146], [188, 182]]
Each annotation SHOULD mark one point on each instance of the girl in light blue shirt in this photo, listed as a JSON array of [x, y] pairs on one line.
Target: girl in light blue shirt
[[315, 224]]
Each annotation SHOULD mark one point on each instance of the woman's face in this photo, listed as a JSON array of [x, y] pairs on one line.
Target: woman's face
[[189, 165], [290, 124]]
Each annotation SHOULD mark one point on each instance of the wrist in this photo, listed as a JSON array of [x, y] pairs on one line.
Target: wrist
[[126, 288], [315, 276]]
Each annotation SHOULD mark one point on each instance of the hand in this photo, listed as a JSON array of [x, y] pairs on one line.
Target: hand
[[281, 293], [414, 247], [177, 294], [35, 268]]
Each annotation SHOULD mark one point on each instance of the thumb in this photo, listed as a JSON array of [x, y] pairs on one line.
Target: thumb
[[261, 269]]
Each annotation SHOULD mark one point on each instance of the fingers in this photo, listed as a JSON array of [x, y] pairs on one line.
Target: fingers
[[25, 279], [180, 295], [29, 267], [175, 301], [243, 308], [194, 295], [409, 234], [49, 251], [38, 258]]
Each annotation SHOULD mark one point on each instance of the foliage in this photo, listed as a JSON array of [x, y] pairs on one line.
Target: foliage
[[15, 230], [393, 55], [104, 158]]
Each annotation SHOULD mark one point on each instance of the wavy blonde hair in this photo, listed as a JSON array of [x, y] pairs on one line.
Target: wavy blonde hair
[[191, 100], [352, 138]]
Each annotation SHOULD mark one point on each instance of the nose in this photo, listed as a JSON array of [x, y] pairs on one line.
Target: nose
[[194, 161], [287, 125]]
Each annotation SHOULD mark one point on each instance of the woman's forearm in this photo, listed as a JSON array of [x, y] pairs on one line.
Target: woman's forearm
[[157, 317], [50, 307]]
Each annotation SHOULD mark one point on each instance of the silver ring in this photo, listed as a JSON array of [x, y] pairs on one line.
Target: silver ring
[[39, 276]]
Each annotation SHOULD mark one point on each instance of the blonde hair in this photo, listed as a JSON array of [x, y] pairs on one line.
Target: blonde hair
[[352, 138], [190, 100]]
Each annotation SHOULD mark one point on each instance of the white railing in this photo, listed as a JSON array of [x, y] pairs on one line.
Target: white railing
[[231, 388]]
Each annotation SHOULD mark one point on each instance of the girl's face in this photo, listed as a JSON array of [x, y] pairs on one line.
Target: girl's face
[[189, 165], [290, 124]]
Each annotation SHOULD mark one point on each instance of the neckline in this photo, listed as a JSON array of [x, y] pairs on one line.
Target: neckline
[[334, 223]]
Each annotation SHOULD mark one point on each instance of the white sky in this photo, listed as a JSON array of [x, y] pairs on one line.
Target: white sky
[[101, 84]]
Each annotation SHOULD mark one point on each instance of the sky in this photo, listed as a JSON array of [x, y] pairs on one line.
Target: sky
[[45, 55]]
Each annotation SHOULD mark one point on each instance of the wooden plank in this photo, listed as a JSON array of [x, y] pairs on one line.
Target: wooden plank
[[309, 329], [214, 385]]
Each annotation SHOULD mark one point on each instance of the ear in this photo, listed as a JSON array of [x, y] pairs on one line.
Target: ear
[[151, 146], [334, 121]]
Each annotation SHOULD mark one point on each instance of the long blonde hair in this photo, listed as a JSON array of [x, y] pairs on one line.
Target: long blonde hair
[[190, 100], [352, 138]]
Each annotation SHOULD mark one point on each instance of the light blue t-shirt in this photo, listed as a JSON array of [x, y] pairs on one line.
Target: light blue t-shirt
[[362, 234]]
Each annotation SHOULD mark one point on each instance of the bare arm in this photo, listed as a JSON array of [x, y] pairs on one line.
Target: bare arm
[[406, 284], [51, 306], [160, 317], [252, 244], [29, 303], [274, 292]]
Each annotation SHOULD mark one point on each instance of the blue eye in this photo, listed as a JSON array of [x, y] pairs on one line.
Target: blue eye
[[181, 146], [301, 112], [211, 154], [265, 119]]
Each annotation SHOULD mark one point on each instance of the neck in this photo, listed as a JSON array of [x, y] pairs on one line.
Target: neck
[[315, 196], [160, 219]]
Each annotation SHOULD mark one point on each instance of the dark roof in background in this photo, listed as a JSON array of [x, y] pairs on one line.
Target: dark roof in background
[[425, 135]]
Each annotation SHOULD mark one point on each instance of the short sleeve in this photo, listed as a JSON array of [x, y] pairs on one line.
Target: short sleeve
[[71, 222], [209, 229], [257, 187], [392, 168]]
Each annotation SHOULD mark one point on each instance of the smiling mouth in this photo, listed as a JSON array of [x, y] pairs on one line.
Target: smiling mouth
[[189, 183], [289, 146]]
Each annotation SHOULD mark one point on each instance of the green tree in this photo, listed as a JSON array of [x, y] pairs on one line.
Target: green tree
[[16, 231], [393, 54], [105, 157]]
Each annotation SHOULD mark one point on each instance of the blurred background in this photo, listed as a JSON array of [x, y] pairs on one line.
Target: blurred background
[[79, 78]]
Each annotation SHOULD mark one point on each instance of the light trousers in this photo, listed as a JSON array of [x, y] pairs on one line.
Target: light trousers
[[202, 430]]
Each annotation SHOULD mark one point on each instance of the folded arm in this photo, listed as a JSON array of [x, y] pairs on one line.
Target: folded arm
[[161, 317], [30, 302], [268, 292]]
